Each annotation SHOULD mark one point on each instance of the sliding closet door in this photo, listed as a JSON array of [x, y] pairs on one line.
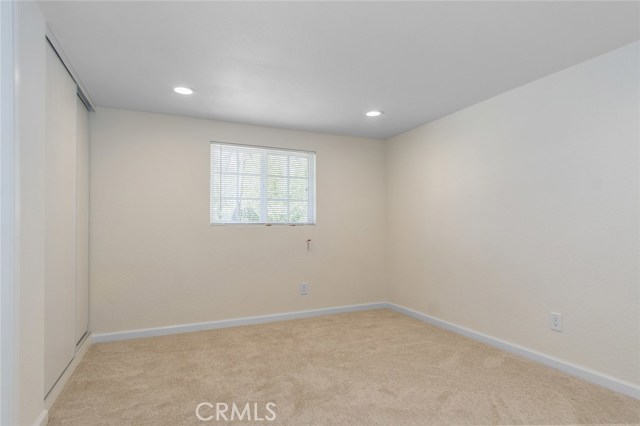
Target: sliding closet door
[[82, 219], [60, 223]]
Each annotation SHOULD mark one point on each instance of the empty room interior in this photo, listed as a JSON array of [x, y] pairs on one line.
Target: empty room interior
[[320, 213]]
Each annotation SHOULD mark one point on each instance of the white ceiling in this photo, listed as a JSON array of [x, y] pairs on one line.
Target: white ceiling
[[320, 66]]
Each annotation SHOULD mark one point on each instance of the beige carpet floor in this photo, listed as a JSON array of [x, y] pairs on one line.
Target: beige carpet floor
[[367, 368]]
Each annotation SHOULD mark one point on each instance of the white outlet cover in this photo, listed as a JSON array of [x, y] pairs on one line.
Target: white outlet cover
[[555, 321], [304, 289]]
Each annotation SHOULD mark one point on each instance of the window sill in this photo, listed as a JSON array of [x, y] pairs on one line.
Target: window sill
[[262, 224]]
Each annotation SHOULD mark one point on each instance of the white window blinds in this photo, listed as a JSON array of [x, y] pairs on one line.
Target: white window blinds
[[261, 185]]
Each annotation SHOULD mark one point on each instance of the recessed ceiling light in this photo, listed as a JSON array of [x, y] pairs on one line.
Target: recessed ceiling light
[[183, 90], [374, 113]]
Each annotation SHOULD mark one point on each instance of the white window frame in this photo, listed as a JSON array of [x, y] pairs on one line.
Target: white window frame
[[265, 150]]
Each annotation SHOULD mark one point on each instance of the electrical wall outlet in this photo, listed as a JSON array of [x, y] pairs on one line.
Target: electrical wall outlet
[[555, 321], [304, 289]]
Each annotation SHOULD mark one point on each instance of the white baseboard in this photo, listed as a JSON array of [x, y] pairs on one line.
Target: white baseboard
[[262, 319], [81, 350], [586, 374], [42, 419]]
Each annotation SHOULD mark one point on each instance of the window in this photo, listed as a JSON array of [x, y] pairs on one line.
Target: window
[[257, 185]]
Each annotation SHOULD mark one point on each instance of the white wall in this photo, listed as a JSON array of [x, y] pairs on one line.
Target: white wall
[[31, 134], [156, 261], [524, 204]]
